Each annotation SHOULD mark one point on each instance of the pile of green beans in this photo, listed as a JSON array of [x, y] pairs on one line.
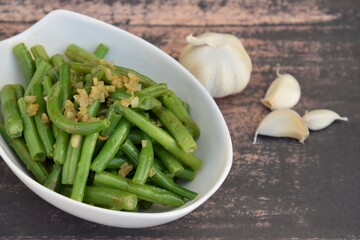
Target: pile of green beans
[[127, 157]]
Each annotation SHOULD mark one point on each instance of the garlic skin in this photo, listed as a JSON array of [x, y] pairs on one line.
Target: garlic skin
[[321, 118], [283, 123], [219, 61], [284, 92]]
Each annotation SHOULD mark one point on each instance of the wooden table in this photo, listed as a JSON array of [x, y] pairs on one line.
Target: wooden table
[[277, 188]]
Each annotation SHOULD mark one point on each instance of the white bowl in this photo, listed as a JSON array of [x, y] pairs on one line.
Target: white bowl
[[60, 28]]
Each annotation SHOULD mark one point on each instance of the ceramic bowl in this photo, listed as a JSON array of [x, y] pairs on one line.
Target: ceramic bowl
[[60, 28]]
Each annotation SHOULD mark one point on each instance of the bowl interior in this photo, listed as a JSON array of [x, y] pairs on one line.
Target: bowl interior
[[60, 28]]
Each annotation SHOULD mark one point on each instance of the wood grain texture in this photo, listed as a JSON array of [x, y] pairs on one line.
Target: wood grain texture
[[276, 188]]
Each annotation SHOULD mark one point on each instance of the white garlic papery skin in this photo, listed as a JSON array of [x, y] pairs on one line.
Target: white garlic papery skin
[[321, 118], [284, 92], [283, 123], [219, 61]]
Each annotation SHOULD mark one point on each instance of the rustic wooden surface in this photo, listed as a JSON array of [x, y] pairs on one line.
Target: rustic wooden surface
[[277, 188]]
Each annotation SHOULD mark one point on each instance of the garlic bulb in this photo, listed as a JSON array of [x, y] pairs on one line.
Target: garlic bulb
[[283, 123], [284, 92], [219, 61], [321, 118]]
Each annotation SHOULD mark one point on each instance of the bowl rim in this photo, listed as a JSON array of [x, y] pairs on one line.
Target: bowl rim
[[39, 189]]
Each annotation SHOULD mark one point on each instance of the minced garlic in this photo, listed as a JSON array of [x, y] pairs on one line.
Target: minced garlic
[[125, 169], [100, 90], [69, 110], [82, 98], [32, 108], [30, 99], [45, 118]]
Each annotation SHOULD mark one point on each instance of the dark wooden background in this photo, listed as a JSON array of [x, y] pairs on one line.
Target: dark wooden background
[[277, 188]]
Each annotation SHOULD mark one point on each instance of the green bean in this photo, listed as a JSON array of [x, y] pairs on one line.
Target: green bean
[[136, 135], [73, 154], [30, 133], [65, 81], [92, 68], [101, 50], [43, 128], [159, 178], [148, 102], [160, 166], [19, 90], [111, 146], [163, 181], [145, 192], [37, 169], [54, 74], [82, 172], [60, 146], [147, 126], [131, 151], [12, 119], [57, 60], [78, 54], [78, 78], [83, 67], [38, 51], [75, 151], [99, 73], [145, 102], [25, 61], [83, 167], [88, 82], [155, 90], [186, 174], [106, 197], [146, 160], [175, 105], [38, 61], [169, 160], [47, 84], [186, 106], [53, 182], [40, 72], [94, 108], [144, 205], [136, 209], [114, 117], [95, 71], [62, 137], [144, 80], [176, 129], [113, 198], [56, 116], [161, 137], [119, 94], [116, 162]]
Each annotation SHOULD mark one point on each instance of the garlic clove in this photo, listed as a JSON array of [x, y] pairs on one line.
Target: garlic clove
[[219, 61], [321, 118], [283, 123], [284, 92]]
